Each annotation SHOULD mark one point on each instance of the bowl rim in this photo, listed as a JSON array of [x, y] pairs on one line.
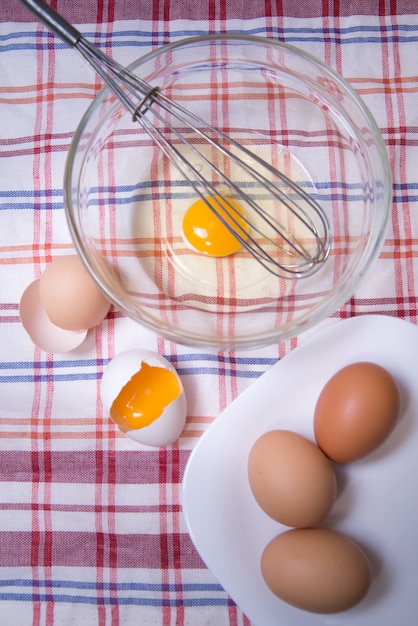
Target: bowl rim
[[320, 311]]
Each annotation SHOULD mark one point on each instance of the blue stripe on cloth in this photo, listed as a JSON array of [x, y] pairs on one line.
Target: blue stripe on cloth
[[215, 358], [192, 594], [70, 377], [27, 206], [406, 195], [337, 191], [400, 33], [5, 365], [186, 365], [121, 586], [356, 28], [17, 378], [134, 601], [40, 193]]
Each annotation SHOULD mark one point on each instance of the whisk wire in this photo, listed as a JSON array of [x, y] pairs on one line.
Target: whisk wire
[[296, 259], [277, 228], [211, 199], [131, 85]]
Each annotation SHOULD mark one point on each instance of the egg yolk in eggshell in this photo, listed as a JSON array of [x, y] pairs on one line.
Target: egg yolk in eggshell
[[207, 234], [144, 397]]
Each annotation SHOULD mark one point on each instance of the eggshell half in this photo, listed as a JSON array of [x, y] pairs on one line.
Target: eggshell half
[[164, 430], [43, 333], [168, 427]]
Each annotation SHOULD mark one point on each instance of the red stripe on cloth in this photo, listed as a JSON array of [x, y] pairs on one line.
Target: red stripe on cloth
[[402, 176], [41, 544], [387, 55], [105, 504], [170, 544], [85, 12], [77, 466], [159, 14], [164, 540], [99, 12], [80, 549], [135, 507], [390, 7], [211, 10]]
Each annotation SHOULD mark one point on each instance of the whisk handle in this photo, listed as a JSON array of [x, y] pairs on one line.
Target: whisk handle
[[53, 20]]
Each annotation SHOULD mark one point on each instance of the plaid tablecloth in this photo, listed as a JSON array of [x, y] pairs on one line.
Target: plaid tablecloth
[[91, 528]]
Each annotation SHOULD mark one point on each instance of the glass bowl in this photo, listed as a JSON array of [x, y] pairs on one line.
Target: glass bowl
[[125, 203]]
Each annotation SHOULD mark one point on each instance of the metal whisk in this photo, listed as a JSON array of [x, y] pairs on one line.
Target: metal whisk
[[284, 228]]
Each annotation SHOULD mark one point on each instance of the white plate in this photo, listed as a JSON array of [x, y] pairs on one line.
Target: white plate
[[377, 503]]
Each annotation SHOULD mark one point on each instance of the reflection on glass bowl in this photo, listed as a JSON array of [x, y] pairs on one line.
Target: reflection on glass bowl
[[125, 203]]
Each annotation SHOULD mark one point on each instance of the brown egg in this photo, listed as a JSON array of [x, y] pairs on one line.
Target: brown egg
[[70, 297], [356, 411], [316, 569], [291, 479]]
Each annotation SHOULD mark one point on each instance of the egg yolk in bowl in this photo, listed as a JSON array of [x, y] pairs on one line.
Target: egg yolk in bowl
[[206, 232]]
